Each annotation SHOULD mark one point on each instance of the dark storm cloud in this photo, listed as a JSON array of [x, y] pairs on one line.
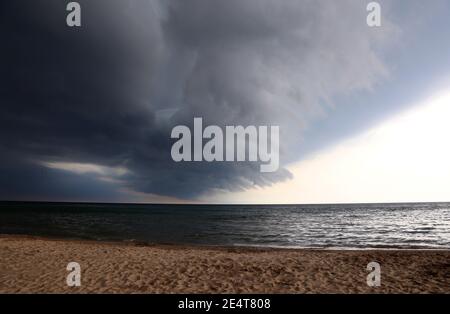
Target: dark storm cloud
[[24, 181], [109, 93]]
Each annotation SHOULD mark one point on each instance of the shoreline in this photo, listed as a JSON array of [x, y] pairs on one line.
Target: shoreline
[[139, 243], [38, 265]]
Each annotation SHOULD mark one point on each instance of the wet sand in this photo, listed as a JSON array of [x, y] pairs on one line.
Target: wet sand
[[35, 265]]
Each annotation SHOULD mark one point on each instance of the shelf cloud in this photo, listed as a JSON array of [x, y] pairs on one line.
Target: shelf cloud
[[78, 101]]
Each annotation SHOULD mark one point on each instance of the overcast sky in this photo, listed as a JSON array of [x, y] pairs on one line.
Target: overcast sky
[[87, 113]]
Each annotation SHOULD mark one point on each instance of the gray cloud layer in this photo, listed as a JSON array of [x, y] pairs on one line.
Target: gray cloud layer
[[109, 93]]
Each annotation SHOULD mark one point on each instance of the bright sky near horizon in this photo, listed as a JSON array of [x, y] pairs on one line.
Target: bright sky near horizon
[[403, 159]]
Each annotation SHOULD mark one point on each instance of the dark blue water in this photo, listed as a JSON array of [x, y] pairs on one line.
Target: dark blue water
[[425, 225]]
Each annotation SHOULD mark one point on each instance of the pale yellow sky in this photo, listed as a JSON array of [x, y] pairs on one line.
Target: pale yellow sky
[[403, 159]]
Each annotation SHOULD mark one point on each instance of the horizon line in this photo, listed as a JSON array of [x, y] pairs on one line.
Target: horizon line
[[218, 204]]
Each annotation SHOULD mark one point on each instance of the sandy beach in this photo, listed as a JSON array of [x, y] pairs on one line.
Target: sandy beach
[[29, 265]]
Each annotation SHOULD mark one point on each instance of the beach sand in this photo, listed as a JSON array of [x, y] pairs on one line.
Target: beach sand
[[29, 265]]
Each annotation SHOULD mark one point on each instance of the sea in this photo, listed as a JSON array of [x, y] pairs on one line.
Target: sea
[[340, 226]]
